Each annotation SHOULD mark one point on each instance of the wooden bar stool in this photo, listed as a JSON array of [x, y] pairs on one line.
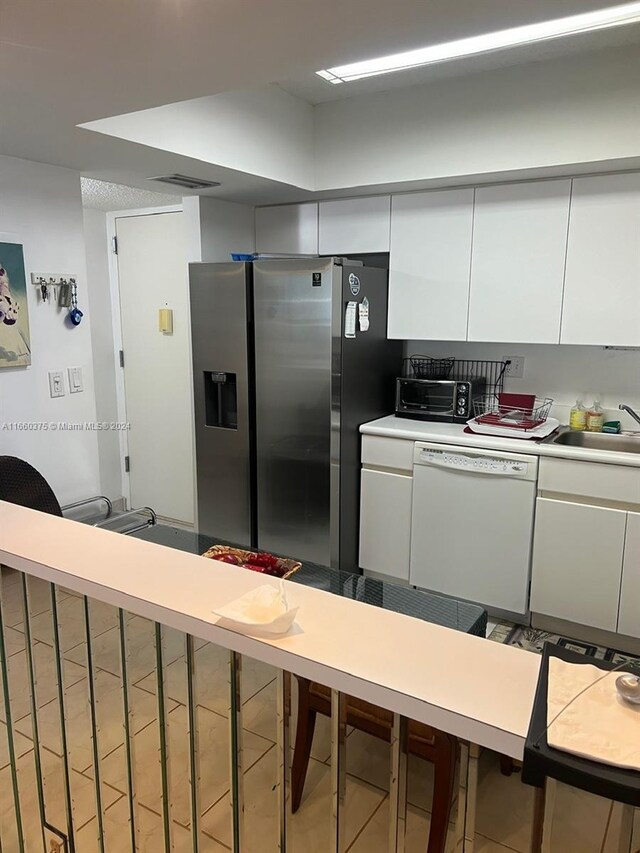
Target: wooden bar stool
[[423, 741]]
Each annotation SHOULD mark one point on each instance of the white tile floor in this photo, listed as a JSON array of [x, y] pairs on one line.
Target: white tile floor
[[583, 823]]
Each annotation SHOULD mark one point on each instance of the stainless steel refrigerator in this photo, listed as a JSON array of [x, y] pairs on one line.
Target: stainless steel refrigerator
[[285, 371]]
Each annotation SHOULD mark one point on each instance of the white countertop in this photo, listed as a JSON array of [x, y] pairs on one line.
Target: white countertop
[[416, 430], [475, 689]]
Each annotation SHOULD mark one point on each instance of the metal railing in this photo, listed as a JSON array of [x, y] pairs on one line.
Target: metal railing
[[120, 734]]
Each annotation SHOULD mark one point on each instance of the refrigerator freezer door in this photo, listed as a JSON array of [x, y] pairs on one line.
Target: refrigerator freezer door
[[219, 310], [293, 303]]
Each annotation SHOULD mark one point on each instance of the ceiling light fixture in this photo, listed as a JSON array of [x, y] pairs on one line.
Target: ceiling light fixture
[[615, 16]]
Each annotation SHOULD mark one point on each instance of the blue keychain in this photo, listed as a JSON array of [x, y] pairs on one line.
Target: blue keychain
[[75, 314]]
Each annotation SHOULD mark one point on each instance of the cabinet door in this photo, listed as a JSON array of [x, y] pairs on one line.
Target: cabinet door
[[290, 229], [385, 523], [602, 285], [517, 263], [354, 225], [629, 618], [577, 562], [429, 265]]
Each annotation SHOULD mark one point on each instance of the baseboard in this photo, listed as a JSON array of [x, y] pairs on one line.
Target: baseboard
[[119, 504], [595, 636], [380, 576], [172, 522]]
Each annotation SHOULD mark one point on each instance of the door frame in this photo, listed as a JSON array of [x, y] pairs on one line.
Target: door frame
[[114, 287]]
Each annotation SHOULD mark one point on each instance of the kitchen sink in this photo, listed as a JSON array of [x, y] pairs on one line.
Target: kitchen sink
[[624, 443]]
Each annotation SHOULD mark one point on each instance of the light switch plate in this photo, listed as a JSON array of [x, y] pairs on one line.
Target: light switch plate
[[75, 380], [56, 383]]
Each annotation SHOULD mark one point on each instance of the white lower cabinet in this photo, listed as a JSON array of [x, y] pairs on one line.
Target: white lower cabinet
[[385, 523], [586, 558], [629, 619], [577, 562]]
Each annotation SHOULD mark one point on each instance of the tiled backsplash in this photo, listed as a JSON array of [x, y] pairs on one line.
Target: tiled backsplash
[[561, 372]]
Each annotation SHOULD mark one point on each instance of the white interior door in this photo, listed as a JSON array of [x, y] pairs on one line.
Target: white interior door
[[152, 273]]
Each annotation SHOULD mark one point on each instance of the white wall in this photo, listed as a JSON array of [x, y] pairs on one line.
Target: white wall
[[41, 205], [225, 227], [559, 371], [570, 114], [191, 225], [104, 361], [583, 109], [265, 132], [214, 228]]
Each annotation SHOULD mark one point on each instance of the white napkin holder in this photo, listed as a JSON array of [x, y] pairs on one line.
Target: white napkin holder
[[265, 610]]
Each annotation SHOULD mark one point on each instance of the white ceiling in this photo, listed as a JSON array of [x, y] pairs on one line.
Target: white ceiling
[[66, 62], [102, 195], [315, 90]]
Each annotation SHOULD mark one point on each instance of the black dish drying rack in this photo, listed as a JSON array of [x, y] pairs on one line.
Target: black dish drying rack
[[461, 370], [425, 367]]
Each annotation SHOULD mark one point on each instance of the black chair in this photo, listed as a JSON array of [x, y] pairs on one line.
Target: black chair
[[544, 766], [22, 484]]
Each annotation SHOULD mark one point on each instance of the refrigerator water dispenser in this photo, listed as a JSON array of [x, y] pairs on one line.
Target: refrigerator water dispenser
[[221, 399]]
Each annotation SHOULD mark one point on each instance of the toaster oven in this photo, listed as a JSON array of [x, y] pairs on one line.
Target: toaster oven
[[446, 400]]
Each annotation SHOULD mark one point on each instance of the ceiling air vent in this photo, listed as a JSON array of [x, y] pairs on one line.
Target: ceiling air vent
[[186, 182]]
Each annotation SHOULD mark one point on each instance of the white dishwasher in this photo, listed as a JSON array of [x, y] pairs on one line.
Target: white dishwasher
[[472, 524]]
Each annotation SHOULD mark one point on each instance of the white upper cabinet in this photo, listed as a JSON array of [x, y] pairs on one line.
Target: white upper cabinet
[[356, 225], [290, 229], [429, 265], [517, 264], [602, 283]]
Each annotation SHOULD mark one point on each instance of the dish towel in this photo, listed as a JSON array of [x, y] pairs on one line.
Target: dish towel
[[599, 724]]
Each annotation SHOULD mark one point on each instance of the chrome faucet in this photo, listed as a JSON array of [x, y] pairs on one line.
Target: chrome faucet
[[624, 408]]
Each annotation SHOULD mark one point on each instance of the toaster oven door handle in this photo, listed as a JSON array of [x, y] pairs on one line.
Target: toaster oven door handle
[[419, 410]]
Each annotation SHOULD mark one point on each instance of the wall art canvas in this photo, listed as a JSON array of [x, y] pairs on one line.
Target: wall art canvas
[[15, 340]]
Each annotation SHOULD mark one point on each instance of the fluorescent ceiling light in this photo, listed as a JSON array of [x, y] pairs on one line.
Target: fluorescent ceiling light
[[615, 16]]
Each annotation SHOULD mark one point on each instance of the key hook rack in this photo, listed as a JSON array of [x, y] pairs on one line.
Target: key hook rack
[[63, 286]]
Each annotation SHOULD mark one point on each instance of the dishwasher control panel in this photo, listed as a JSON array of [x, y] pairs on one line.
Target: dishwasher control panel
[[503, 465]]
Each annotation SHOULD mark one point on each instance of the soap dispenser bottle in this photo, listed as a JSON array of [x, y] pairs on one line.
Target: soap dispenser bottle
[[595, 417], [578, 417]]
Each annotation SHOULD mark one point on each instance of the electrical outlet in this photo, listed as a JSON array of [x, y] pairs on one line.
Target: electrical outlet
[[56, 383], [515, 370]]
